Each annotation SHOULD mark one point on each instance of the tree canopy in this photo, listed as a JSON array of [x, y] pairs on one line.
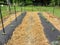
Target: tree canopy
[[35, 2]]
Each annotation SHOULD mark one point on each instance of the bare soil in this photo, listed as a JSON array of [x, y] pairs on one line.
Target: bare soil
[[30, 32], [53, 19]]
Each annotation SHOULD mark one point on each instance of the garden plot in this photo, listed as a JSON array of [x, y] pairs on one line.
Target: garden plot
[[30, 32]]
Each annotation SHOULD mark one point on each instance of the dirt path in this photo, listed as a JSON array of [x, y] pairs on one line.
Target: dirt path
[[53, 20], [30, 32], [9, 20]]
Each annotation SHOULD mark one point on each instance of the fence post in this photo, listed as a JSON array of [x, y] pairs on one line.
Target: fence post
[[21, 8], [53, 7], [32, 8], [2, 20], [9, 10], [15, 12]]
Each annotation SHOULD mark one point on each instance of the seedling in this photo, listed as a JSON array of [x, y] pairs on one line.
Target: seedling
[[58, 38], [3, 33], [47, 21], [53, 29], [55, 43], [11, 25]]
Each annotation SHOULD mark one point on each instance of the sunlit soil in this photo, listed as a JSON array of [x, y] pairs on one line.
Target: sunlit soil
[[53, 19], [30, 32]]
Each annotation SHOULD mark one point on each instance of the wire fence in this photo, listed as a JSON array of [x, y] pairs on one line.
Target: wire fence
[[7, 10]]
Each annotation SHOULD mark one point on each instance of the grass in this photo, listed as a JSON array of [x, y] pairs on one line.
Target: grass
[[31, 8], [50, 10], [5, 10]]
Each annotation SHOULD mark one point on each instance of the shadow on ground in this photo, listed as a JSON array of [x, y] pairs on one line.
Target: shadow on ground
[[10, 28], [50, 31]]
